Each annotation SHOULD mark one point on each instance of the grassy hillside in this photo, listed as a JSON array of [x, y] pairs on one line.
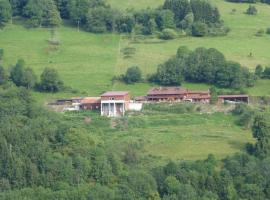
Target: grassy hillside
[[165, 136], [239, 43], [87, 62]]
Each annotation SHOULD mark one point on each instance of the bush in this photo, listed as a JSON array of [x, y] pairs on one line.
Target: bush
[[260, 33], [268, 30], [266, 73], [50, 81], [199, 29], [168, 34], [133, 75], [252, 10]]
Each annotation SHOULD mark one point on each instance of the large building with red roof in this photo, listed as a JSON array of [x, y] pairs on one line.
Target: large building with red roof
[[177, 94], [114, 103]]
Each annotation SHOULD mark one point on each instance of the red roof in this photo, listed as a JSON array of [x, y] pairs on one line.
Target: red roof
[[115, 93], [90, 100], [167, 91]]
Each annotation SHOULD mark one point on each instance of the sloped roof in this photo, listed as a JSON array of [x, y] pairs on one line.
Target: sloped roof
[[90, 100], [114, 93], [167, 91]]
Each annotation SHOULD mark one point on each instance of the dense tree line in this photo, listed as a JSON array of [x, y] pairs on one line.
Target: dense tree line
[[195, 17], [250, 1], [43, 156], [203, 66]]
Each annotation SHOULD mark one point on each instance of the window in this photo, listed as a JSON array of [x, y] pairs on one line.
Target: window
[[111, 98]]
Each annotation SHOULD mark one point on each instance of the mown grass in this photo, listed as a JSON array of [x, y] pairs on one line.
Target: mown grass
[[86, 62], [135, 4]]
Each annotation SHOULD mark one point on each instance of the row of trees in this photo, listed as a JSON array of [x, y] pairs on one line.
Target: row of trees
[[250, 1], [196, 17], [203, 66], [23, 76]]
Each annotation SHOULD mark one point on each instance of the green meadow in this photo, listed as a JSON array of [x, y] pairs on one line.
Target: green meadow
[[161, 136]]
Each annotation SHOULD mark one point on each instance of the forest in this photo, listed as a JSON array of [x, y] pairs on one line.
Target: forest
[[197, 18]]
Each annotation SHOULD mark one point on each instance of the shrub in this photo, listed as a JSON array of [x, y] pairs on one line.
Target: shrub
[[252, 10], [260, 33], [266, 73], [268, 30], [50, 81], [199, 29], [133, 75], [168, 34]]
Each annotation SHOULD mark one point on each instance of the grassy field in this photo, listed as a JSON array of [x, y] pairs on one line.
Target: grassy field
[[239, 43], [164, 136], [87, 62], [134, 4]]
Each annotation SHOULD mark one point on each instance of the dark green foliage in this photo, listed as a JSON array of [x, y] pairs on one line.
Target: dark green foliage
[[133, 75], [266, 73], [17, 6], [196, 16], [142, 184], [165, 19], [203, 66], [78, 9], [252, 10], [268, 30], [244, 1], [204, 12], [23, 76], [99, 20], [261, 132], [180, 8], [199, 29], [245, 115], [62, 6], [42, 13], [50, 81], [259, 71], [214, 95], [1, 55], [170, 73], [168, 34], [5, 12], [3, 75], [125, 23]]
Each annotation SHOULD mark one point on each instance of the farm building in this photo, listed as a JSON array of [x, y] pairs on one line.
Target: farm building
[[115, 103], [90, 103], [233, 98], [177, 94]]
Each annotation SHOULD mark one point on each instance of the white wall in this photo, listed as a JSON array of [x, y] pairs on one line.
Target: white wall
[[135, 106]]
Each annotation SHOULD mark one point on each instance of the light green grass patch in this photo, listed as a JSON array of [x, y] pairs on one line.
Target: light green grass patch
[[135, 4], [85, 61], [184, 136]]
